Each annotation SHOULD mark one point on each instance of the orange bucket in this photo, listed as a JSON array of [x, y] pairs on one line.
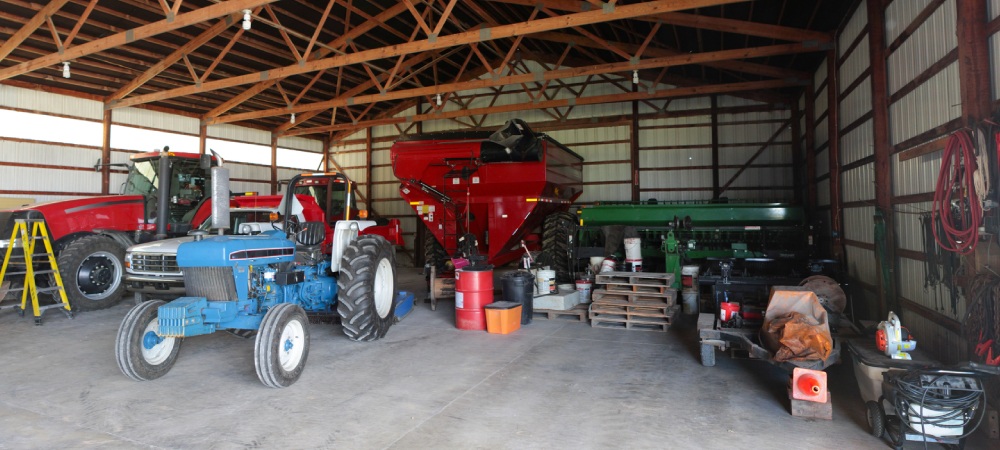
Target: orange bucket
[[503, 317]]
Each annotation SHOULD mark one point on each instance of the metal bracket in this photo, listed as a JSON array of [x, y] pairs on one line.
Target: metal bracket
[[263, 76], [484, 34], [433, 37]]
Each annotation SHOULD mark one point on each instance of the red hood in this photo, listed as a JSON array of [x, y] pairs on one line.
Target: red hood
[[114, 212]]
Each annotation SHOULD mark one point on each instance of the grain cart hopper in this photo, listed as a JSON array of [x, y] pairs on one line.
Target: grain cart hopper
[[269, 283], [498, 187]]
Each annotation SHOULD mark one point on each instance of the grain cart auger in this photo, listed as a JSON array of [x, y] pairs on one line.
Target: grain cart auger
[[269, 283]]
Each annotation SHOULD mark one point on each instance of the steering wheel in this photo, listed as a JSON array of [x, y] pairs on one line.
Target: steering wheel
[[293, 225]]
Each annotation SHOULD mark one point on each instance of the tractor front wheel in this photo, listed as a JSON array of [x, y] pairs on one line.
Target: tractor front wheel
[[366, 285], [282, 345], [557, 232], [91, 269], [142, 355]]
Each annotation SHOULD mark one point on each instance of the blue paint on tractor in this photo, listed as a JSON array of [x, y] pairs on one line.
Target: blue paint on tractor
[[150, 340]]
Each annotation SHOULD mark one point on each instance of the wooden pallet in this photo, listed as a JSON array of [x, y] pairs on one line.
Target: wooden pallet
[[639, 322], [577, 314], [668, 296], [642, 308], [637, 288], [636, 278]]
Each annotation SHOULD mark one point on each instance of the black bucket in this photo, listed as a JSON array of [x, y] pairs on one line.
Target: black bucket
[[519, 287]]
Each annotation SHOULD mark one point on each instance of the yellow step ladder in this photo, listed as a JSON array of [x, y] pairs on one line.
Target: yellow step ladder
[[38, 232]]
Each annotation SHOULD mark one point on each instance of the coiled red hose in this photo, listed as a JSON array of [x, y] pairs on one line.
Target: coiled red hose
[[958, 164]]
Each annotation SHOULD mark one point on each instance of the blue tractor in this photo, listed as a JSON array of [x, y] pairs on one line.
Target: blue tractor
[[270, 283]]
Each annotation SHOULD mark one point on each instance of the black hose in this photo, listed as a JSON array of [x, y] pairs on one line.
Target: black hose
[[916, 394]]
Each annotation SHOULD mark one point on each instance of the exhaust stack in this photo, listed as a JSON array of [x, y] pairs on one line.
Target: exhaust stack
[[220, 198], [163, 203]]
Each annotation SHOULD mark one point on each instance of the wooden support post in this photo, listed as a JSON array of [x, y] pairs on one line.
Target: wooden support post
[[810, 94], [326, 153], [106, 154], [368, 164], [715, 147], [833, 120], [202, 139], [973, 60], [883, 150], [635, 147], [797, 154], [274, 163]]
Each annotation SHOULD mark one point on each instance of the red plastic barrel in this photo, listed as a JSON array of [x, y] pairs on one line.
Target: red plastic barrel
[[473, 291]]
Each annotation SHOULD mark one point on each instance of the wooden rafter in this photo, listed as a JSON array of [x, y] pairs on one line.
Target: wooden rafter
[[119, 39], [523, 78], [29, 27], [499, 32], [590, 100]]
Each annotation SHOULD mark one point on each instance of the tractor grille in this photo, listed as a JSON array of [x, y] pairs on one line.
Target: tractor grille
[[213, 283], [155, 262]]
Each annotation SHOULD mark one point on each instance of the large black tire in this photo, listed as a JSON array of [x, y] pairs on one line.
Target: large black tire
[[141, 355], [707, 355], [434, 253], [366, 297], [556, 233], [92, 271], [876, 418], [282, 345]]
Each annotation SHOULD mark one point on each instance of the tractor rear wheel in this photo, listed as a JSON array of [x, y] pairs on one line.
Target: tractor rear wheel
[[141, 354], [556, 233], [435, 254], [366, 288], [91, 269], [282, 345]]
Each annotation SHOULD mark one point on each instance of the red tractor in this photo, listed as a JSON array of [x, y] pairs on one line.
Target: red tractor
[[163, 196], [498, 187]]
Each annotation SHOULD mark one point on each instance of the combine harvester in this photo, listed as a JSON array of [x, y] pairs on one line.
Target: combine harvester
[[270, 283], [499, 187]]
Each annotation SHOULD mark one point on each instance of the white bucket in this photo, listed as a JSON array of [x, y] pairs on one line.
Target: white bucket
[[689, 278], [636, 264], [546, 282], [595, 263], [608, 266], [690, 301], [633, 249], [584, 287]]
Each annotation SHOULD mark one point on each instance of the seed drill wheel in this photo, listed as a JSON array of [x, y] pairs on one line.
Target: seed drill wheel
[[141, 354], [282, 345], [366, 288]]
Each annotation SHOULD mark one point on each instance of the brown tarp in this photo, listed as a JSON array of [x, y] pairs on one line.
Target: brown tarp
[[795, 326]]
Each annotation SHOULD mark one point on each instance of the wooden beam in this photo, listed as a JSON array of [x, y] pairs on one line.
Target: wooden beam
[[810, 112], [797, 153], [274, 163], [135, 34], [591, 100], [106, 153], [172, 58], [514, 79], [29, 27], [736, 66], [693, 21], [715, 147], [368, 163], [634, 147], [339, 42], [923, 149], [483, 34], [202, 139], [883, 151], [973, 60], [833, 152]]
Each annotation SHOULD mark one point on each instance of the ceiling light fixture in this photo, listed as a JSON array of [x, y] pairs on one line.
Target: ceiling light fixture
[[246, 19], [66, 69]]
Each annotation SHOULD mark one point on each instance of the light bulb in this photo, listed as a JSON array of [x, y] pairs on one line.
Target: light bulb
[[439, 99], [246, 19], [66, 70], [293, 117], [635, 77]]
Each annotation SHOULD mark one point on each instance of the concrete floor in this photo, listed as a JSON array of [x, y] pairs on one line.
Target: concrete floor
[[552, 384]]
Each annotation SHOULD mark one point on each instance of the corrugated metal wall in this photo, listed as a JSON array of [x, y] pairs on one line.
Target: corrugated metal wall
[[914, 110]]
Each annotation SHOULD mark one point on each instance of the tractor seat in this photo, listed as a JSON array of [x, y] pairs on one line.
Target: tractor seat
[[312, 234]]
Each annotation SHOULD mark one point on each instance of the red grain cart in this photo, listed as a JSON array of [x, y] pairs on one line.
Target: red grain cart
[[497, 186]]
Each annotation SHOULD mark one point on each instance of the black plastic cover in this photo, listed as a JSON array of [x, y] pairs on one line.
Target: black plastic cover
[[288, 278]]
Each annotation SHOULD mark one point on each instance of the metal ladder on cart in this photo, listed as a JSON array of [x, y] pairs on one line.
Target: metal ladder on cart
[[455, 187], [27, 243]]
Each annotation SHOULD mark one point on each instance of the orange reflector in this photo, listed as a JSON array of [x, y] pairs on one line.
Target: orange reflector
[[363, 213], [273, 216]]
